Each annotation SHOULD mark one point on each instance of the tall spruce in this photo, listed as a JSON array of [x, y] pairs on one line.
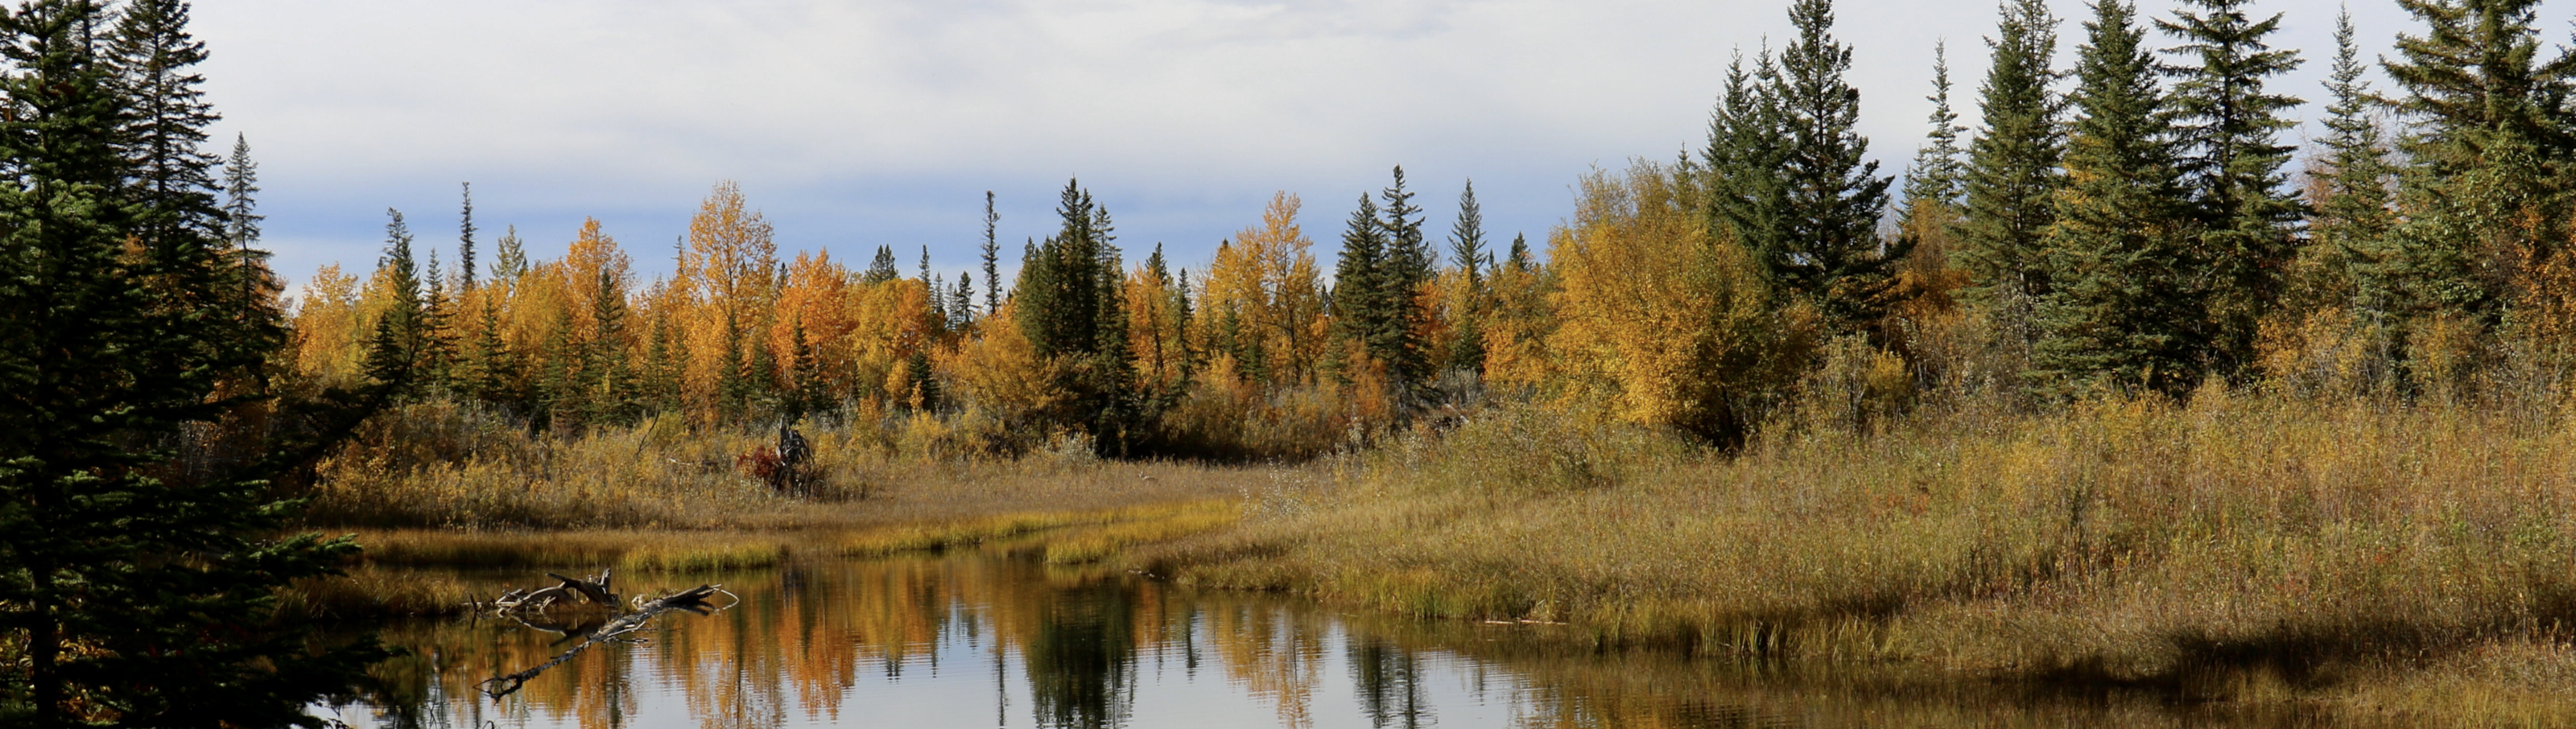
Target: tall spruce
[[1748, 195], [1408, 264], [509, 256], [2489, 120], [164, 123], [1360, 306], [1072, 314], [2123, 312], [992, 258], [133, 589], [2231, 159], [1938, 176], [1467, 252], [1827, 249], [241, 221], [2351, 218], [465, 239], [881, 269], [2012, 164]]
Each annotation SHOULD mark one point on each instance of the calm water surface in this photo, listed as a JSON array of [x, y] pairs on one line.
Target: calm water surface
[[994, 640]]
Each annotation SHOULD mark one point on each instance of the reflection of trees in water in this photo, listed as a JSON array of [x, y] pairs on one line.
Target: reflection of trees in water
[[1081, 657], [1389, 680]]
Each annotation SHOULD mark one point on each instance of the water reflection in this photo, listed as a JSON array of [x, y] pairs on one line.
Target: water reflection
[[993, 640]]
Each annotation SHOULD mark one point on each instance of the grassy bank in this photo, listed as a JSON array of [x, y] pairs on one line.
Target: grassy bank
[[2135, 542]]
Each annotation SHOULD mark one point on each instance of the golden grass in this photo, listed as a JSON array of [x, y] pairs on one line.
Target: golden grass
[[2129, 541], [377, 592], [450, 467]]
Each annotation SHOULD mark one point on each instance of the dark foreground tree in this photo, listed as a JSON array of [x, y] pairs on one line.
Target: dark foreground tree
[[138, 558]]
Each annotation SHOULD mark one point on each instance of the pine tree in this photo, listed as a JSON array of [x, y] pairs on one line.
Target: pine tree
[[1938, 176], [465, 241], [2230, 156], [396, 350], [2349, 228], [2490, 121], [1360, 306], [1072, 314], [1467, 252], [992, 258], [510, 259], [164, 123], [132, 591], [1407, 264], [241, 223], [2123, 312], [2012, 164], [1748, 195], [1827, 248], [881, 269]]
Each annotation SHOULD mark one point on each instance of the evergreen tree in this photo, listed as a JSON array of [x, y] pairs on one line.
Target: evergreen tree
[[992, 258], [400, 343], [961, 302], [1406, 266], [131, 590], [2349, 228], [465, 241], [510, 259], [1072, 314], [164, 122], [1827, 248], [1938, 176], [1467, 252], [2123, 312], [881, 269], [241, 224], [1360, 306], [1520, 259], [1748, 195], [2230, 157], [2012, 163], [2490, 121]]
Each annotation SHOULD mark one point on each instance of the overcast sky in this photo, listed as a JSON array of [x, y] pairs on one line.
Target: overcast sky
[[854, 125]]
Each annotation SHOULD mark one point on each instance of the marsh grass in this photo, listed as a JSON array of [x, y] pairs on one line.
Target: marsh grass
[[2129, 542], [441, 465]]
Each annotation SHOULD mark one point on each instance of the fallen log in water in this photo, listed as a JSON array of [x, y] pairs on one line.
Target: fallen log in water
[[594, 590], [693, 600]]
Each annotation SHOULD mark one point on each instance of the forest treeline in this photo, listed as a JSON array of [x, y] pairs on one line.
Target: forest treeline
[[2133, 221]]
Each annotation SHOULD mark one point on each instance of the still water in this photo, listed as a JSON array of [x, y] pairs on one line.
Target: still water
[[998, 640]]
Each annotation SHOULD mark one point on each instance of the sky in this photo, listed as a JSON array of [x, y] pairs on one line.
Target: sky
[[853, 125]]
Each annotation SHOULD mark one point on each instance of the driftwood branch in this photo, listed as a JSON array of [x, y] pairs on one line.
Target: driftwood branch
[[693, 600]]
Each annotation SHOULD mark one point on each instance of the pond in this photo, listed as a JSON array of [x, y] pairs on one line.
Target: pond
[[997, 639]]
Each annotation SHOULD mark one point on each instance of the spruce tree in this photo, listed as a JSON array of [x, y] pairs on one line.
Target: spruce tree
[[164, 123], [1406, 265], [1938, 176], [2489, 123], [1467, 252], [2232, 161], [509, 257], [241, 221], [1827, 248], [2349, 228], [881, 269], [2123, 312], [992, 258], [1360, 308], [1748, 195], [1072, 315], [399, 343], [465, 240], [132, 590], [2012, 164]]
